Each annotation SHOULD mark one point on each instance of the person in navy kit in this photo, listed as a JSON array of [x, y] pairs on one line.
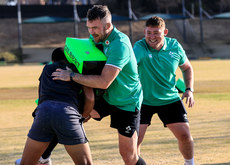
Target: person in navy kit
[[58, 116]]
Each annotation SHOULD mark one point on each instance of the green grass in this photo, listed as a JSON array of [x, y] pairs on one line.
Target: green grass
[[209, 120]]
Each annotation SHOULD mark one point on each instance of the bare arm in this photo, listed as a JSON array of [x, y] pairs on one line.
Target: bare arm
[[187, 71], [89, 101], [103, 81]]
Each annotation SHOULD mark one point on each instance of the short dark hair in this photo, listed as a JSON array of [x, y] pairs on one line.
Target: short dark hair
[[98, 11], [58, 55], [155, 21]]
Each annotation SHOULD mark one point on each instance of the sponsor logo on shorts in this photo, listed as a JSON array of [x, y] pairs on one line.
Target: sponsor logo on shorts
[[185, 117], [128, 129]]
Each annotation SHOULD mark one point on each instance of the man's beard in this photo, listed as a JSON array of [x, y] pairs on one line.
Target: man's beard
[[104, 36]]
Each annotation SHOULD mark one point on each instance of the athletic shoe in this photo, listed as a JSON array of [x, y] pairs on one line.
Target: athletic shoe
[[46, 161], [18, 161], [40, 162]]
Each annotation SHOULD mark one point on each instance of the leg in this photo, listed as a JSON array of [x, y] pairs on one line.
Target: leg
[[101, 109], [32, 151], [185, 140], [128, 149], [80, 153], [145, 120], [142, 130], [94, 114]]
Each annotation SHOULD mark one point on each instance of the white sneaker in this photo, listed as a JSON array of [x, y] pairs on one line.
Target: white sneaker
[[18, 161], [40, 162], [46, 161]]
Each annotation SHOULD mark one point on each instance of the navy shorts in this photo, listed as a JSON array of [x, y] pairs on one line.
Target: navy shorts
[[170, 113], [125, 122], [54, 118]]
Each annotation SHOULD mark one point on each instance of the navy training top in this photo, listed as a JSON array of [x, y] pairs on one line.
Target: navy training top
[[49, 89]]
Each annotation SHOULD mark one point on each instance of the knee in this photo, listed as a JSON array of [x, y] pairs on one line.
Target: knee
[[185, 137], [94, 114], [126, 155], [129, 157]]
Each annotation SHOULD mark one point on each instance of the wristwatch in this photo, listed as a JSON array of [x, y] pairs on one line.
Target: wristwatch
[[71, 76], [189, 89]]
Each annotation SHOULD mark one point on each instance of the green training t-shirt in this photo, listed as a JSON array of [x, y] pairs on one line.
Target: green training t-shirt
[[157, 71], [125, 92]]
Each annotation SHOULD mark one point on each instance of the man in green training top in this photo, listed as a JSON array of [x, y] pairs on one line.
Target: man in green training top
[[123, 96], [158, 58]]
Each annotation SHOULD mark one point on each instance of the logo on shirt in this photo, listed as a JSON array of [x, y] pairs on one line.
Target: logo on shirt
[[128, 129], [150, 56], [107, 42], [172, 54]]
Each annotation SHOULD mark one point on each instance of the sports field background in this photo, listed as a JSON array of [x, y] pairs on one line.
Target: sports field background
[[209, 120]]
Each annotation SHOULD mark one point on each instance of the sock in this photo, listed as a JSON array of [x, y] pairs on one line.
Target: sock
[[140, 161], [43, 161], [189, 161]]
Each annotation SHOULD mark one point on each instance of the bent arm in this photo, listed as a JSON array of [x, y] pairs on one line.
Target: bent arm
[[103, 81], [89, 101], [187, 71]]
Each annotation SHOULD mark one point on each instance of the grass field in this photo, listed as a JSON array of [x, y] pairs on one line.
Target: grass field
[[209, 120]]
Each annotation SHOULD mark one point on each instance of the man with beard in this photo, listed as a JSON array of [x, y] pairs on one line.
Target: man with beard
[[123, 95]]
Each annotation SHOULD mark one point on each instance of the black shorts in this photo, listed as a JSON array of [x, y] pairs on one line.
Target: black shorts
[[170, 113], [124, 121]]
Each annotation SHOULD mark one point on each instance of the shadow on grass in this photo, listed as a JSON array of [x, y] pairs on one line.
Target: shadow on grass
[[228, 163]]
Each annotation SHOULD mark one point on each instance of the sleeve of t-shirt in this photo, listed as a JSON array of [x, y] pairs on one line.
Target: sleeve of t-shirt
[[43, 71], [138, 51], [118, 55]]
